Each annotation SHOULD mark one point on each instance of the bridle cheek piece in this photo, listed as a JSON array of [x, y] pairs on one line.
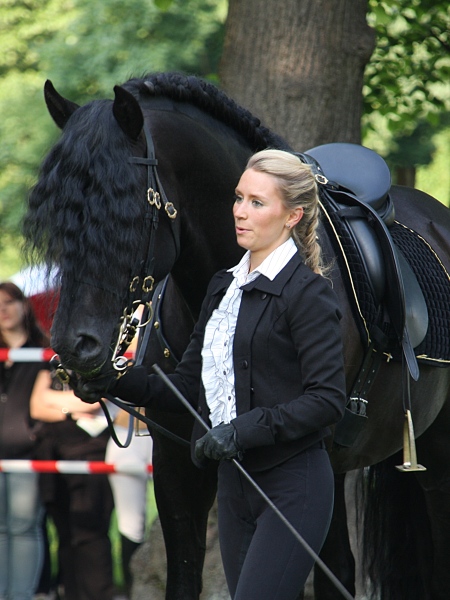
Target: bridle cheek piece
[[156, 198]]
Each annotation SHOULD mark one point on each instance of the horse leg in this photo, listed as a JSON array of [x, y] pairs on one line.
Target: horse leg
[[438, 505], [336, 551], [433, 450], [184, 496]]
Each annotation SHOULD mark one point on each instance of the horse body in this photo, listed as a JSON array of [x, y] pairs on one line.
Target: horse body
[[88, 214]]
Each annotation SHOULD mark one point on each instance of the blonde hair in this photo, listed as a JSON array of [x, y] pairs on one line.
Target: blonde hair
[[298, 188]]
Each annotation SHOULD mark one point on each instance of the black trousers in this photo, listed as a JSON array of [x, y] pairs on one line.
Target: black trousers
[[82, 515], [81, 507], [262, 559]]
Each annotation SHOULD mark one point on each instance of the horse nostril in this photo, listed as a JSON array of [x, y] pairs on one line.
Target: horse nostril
[[87, 345]]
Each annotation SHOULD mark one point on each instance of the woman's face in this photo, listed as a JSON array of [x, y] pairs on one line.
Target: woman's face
[[11, 312], [260, 215]]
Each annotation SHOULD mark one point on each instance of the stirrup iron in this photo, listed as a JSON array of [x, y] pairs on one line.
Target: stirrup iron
[[409, 447]]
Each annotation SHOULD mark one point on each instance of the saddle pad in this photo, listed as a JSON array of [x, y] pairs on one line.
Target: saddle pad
[[432, 277], [434, 282]]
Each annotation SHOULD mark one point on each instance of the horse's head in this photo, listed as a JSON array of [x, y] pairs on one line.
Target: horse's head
[[90, 212], [89, 215]]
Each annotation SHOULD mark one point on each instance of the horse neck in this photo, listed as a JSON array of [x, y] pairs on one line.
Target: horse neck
[[200, 161]]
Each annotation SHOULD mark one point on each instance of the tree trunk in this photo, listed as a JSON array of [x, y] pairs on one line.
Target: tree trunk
[[298, 65], [405, 176]]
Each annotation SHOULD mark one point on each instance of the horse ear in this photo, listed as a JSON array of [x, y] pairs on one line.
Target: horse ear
[[127, 112], [59, 108]]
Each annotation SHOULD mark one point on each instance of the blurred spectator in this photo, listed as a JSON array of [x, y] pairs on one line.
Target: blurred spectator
[[21, 512], [80, 505], [129, 490]]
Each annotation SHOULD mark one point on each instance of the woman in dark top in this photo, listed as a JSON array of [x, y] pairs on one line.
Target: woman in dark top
[[21, 512], [264, 368]]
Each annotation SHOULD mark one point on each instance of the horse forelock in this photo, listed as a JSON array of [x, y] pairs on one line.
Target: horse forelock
[[85, 213]]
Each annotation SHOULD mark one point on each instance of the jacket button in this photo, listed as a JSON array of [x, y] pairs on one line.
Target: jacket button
[[263, 296], [244, 364]]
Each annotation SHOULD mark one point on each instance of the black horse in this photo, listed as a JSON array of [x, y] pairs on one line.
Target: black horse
[[88, 213]]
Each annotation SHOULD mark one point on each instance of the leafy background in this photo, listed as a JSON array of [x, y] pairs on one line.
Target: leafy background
[[87, 46]]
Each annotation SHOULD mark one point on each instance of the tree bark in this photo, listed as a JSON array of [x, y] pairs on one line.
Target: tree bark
[[405, 176], [298, 65]]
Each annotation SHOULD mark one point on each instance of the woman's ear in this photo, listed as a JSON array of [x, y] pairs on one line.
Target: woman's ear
[[295, 216]]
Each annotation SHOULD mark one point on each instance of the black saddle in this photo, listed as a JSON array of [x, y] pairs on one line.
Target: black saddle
[[354, 185]]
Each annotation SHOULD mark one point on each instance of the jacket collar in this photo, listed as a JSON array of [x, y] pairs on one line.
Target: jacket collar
[[262, 283]]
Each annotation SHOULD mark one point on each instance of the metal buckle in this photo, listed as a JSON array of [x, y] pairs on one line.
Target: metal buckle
[[153, 198], [321, 179], [134, 283], [170, 210], [145, 286]]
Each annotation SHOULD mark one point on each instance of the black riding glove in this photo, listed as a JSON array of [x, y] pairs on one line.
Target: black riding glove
[[219, 443], [131, 387]]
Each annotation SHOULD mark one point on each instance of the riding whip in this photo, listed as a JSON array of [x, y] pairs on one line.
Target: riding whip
[[345, 593]]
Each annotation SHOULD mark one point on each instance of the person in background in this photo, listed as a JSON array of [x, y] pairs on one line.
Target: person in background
[[80, 505], [265, 369], [21, 512], [130, 490]]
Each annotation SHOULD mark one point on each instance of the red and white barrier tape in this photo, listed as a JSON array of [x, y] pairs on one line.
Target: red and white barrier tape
[[78, 467], [33, 354]]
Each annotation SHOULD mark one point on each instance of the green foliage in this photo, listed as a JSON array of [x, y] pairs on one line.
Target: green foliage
[[434, 178], [86, 47], [25, 26], [414, 148], [407, 79], [110, 41]]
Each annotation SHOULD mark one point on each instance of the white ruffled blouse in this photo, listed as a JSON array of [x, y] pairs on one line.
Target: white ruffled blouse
[[217, 351]]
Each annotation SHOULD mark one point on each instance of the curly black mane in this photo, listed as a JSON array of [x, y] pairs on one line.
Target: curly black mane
[[207, 97], [84, 203]]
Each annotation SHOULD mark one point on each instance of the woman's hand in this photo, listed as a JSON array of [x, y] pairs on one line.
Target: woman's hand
[[219, 443], [131, 387], [93, 390]]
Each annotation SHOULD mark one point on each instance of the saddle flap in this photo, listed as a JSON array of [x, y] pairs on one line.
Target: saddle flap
[[416, 311]]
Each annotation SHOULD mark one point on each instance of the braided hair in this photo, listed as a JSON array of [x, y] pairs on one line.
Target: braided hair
[[298, 188]]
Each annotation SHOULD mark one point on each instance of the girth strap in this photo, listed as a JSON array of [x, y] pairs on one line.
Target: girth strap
[[355, 415]]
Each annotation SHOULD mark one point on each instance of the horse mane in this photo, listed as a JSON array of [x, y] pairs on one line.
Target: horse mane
[[210, 99], [86, 187]]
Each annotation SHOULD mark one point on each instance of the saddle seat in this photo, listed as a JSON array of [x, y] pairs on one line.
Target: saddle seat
[[360, 171]]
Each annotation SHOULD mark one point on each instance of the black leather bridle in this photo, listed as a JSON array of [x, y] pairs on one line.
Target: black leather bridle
[[142, 280], [141, 290]]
